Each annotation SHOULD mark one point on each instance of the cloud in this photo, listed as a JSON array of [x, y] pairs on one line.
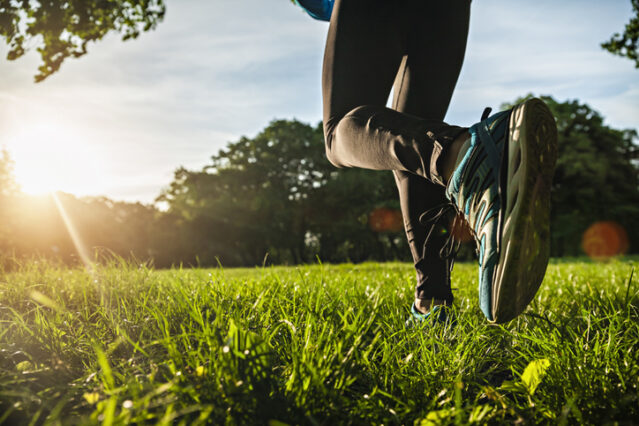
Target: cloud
[[214, 71], [545, 48]]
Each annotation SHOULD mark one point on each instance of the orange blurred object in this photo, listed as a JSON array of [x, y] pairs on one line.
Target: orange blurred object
[[383, 219], [603, 240]]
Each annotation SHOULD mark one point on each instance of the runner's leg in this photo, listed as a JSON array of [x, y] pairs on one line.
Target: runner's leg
[[366, 42], [424, 90]]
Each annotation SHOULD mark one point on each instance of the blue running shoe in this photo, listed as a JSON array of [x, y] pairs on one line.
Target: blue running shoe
[[438, 314], [501, 184]]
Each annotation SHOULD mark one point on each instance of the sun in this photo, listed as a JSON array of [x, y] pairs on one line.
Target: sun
[[51, 156]]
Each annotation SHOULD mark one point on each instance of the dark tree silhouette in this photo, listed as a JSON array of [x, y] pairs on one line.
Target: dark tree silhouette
[[597, 177], [8, 190], [276, 193], [59, 29], [8, 184], [626, 44]]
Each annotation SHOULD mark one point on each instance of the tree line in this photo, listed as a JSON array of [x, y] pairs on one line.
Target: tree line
[[274, 198]]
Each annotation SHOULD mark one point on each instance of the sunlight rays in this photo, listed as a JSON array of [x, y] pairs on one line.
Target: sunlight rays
[[74, 234]]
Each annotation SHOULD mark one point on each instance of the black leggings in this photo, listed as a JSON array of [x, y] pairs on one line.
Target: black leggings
[[417, 48]]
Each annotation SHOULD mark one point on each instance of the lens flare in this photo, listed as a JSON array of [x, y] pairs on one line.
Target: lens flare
[[383, 219], [603, 240], [73, 232]]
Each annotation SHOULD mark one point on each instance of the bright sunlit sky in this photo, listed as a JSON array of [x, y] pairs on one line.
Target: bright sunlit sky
[[118, 121]]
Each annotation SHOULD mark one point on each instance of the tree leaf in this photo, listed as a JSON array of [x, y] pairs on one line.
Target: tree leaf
[[534, 373]]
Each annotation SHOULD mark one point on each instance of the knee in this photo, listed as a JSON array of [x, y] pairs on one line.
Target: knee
[[332, 158], [338, 131], [331, 139]]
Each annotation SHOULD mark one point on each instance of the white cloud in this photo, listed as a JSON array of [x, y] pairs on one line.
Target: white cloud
[[214, 71], [546, 48]]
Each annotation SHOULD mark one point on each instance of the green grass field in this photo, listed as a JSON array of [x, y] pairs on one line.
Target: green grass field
[[318, 344]]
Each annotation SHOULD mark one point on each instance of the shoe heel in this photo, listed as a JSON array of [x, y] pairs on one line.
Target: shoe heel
[[532, 154]]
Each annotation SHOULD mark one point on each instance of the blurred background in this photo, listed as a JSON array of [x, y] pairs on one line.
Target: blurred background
[[197, 139]]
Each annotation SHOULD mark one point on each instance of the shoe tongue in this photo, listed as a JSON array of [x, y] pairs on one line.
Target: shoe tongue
[[452, 188]]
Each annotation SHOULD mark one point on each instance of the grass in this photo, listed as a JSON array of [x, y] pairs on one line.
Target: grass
[[322, 344]]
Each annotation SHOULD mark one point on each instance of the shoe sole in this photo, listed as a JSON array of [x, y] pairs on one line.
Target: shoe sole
[[525, 229]]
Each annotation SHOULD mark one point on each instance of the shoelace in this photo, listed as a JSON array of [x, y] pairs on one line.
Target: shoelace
[[435, 215]]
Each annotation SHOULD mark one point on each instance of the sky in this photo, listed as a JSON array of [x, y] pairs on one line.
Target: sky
[[120, 120]]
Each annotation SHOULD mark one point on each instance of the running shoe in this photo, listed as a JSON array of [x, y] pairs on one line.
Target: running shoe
[[438, 314], [501, 184]]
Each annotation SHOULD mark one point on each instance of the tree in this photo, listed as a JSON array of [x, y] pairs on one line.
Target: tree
[[250, 200], [596, 178], [277, 193], [626, 44], [8, 184], [37, 225], [341, 213], [8, 191], [63, 28]]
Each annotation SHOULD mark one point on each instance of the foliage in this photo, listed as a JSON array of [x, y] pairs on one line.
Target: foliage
[[63, 28], [314, 344], [36, 227], [625, 44], [597, 176], [274, 198], [8, 184], [8, 189], [276, 193]]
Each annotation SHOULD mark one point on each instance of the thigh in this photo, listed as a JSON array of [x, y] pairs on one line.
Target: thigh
[[435, 49], [423, 87], [363, 52], [436, 44]]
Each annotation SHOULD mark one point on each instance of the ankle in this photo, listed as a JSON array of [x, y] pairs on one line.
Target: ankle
[[449, 156], [424, 305]]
